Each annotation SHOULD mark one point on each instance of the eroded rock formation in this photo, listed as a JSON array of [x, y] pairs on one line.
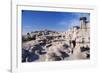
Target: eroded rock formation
[[47, 45]]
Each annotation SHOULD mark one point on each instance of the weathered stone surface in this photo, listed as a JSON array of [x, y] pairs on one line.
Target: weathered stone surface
[[55, 46]]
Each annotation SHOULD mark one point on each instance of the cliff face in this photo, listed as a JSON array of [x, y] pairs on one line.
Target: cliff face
[[47, 45]]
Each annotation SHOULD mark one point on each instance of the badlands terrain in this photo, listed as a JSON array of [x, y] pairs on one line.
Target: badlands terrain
[[48, 45]]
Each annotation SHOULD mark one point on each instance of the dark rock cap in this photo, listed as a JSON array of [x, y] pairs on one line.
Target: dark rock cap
[[83, 18]]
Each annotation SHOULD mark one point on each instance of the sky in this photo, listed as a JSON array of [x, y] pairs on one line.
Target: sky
[[56, 21]]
